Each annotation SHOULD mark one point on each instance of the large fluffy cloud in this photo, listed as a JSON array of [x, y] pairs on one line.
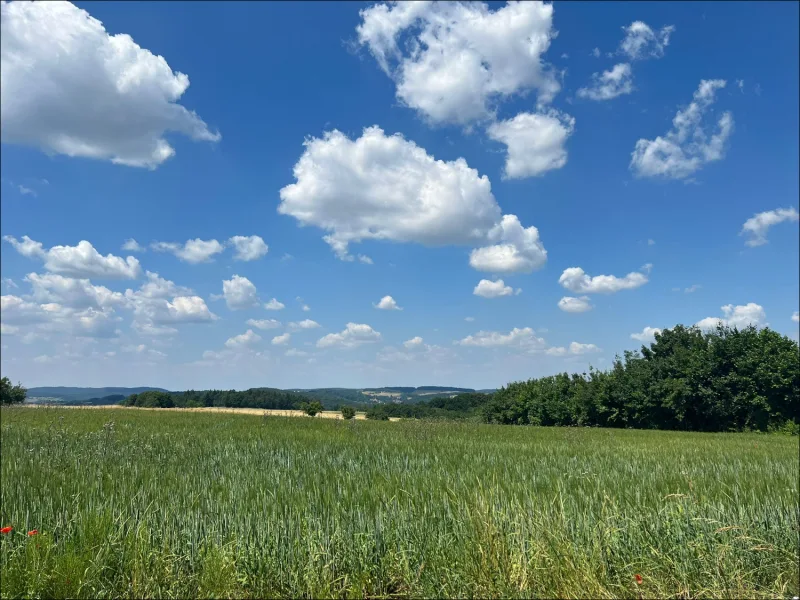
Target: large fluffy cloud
[[159, 303], [81, 261], [737, 316], [576, 280], [68, 87], [756, 227], [535, 141], [453, 61], [686, 147], [239, 293], [383, 187], [52, 317], [607, 85], [354, 334], [76, 293]]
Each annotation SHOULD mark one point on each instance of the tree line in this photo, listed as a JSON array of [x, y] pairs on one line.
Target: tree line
[[265, 398], [721, 380]]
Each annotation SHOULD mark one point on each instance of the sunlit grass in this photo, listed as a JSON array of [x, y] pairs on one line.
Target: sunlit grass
[[159, 504]]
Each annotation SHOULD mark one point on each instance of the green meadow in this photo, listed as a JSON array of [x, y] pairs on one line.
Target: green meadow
[[131, 504]]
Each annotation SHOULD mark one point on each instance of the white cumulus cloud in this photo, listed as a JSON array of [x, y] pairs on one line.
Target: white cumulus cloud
[[453, 61], [248, 247], [796, 317], [522, 338], [274, 305], [535, 142], [279, 340], [492, 289], [81, 261], [354, 334], [519, 249], [648, 334], [69, 87], [131, 245], [264, 323], [193, 251], [248, 338], [239, 293], [76, 293], [415, 342], [188, 309], [756, 227], [575, 305], [576, 280], [686, 147], [381, 187], [610, 84], [578, 348], [739, 316], [387, 303]]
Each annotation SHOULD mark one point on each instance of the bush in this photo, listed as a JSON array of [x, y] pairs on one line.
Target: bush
[[348, 412], [11, 394], [311, 408]]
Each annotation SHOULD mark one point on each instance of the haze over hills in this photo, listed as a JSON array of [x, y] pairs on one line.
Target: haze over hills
[[67, 395], [113, 395]]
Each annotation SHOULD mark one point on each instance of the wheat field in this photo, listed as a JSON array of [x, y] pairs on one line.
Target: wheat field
[[135, 503]]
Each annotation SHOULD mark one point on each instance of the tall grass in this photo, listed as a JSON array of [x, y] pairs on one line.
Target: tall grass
[[159, 504]]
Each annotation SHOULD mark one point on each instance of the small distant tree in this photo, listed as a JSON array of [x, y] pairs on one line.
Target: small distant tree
[[348, 412], [311, 408], [11, 394]]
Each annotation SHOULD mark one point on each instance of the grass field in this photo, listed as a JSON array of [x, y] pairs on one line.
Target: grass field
[[176, 504]]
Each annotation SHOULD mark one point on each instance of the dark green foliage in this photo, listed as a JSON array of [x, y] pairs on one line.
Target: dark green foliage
[[463, 406], [724, 380], [265, 398], [11, 394], [348, 412], [311, 408]]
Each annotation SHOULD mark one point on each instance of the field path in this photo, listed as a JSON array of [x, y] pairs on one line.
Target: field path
[[325, 414]]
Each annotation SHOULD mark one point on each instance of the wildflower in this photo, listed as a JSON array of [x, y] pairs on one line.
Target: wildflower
[[6, 530], [639, 579], [33, 532]]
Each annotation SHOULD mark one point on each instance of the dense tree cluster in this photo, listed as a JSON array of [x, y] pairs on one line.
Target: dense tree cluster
[[723, 380], [266, 398], [462, 406], [11, 394]]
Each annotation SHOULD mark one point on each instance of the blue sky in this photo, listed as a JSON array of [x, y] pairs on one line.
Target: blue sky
[[450, 146]]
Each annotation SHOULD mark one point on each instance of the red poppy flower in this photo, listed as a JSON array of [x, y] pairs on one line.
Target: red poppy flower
[[33, 532], [639, 579], [6, 530]]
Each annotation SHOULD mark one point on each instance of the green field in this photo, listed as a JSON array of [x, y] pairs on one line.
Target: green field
[[160, 504]]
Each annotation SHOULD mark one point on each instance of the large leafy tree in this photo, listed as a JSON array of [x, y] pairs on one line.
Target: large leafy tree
[[11, 394]]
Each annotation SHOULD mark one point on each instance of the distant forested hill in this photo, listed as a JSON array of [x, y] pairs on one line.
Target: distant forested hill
[[82, 394], [382, 395]]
